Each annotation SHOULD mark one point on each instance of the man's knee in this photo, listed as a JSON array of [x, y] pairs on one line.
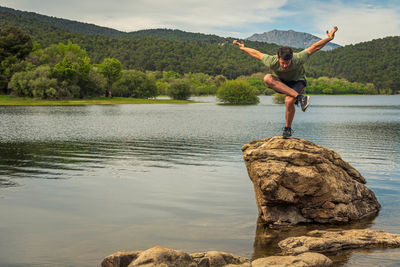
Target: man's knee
[[289, 100], [269, 79]]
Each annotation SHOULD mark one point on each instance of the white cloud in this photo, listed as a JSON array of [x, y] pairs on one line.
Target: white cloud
[[190, 15], [193, 15], [357, 23]]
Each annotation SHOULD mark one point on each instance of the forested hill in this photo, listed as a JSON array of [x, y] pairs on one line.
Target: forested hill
[[376, 61], [62, 24], [86, 28], [180, 35], [147, 53]]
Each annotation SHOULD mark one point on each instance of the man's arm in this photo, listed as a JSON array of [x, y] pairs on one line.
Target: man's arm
[[321, 43], [252, 52]]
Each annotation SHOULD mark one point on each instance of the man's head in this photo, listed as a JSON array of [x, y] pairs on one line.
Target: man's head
[[285, 55]]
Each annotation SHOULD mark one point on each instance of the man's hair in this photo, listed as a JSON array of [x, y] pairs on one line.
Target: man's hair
[[285, 53]]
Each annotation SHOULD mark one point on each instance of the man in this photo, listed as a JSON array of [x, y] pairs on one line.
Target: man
[[290, 76]]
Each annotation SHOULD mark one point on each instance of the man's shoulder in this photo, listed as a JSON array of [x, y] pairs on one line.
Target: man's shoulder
[[302, 55], [269, 60]]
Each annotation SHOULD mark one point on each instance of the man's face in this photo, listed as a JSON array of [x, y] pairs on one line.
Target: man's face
[[285, 63]]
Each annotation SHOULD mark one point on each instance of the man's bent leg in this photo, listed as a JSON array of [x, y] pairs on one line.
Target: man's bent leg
[[278, 86]]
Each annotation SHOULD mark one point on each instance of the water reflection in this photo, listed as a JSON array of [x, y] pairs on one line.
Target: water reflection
[[63, 160], [266, 238], [171, 174]]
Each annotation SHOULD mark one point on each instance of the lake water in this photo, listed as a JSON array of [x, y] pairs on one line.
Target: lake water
[[79, 183]]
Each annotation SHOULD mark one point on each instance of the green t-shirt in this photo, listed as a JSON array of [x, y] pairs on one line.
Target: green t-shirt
[[295, 71]]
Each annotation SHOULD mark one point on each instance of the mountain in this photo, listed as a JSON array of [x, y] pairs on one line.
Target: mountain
[[26, 18], [290, 38]]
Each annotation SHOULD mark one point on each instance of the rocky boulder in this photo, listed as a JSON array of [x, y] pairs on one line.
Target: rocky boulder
[[296, 181], [166, 257], [337, 240], [121, 258], [217, 258], [308, 259]]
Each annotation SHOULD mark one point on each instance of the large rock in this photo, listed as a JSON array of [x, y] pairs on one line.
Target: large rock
[[165, 257], [336, 240], [120, 259], [217, 258], [296, 181], [160, 256], [308, 259]]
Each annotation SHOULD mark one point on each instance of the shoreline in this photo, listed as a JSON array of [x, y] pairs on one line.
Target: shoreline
[[7, 100]]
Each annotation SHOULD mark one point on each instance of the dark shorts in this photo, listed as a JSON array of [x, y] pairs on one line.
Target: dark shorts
[[298, 86]]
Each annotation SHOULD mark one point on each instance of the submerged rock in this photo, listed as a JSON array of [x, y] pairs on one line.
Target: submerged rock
[[296, 181], [337, 240], [308, 259]]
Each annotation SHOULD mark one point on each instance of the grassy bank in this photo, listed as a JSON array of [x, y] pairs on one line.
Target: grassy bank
[[6, 100]]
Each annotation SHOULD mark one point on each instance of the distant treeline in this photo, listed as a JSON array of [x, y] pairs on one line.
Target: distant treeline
[[375, 62], [65, 71]]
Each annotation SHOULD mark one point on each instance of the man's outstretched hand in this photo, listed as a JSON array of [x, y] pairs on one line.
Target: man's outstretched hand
[[240, 45], [331, 34]]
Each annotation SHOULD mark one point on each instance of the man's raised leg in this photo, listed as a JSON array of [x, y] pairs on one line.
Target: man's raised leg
[[278, 86]]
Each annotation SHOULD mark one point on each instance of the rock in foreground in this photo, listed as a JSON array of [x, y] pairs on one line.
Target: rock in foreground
[[307, 259], [165, 257], [333, 241], [296, 181]]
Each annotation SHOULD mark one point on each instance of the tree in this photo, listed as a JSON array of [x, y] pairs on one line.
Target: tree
[[179, 89], [15, 45], [60, 71], [136, 84], [279, 98], [111, 68], [36, 83], [71, 66], [237, 92], [201, 83]]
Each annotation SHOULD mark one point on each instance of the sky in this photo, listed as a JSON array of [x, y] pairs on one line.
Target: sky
[[357, 20]]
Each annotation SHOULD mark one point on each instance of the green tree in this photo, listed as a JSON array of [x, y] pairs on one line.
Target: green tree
[[36, 83], [258, 84], [15, 45], [135, 84], [219, 80], [279, 98], [201, 83], [111, 68], [237, 92], [95, 85], [179, 89]]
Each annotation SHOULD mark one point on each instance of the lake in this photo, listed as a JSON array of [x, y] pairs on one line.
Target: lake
[[80, 183]]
